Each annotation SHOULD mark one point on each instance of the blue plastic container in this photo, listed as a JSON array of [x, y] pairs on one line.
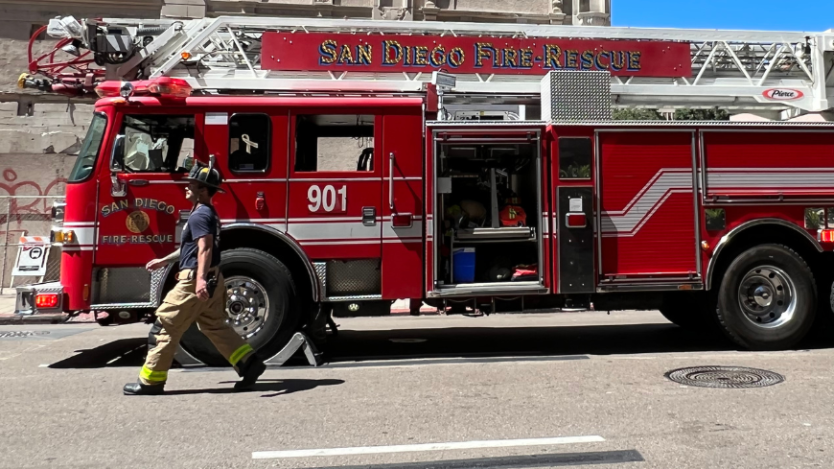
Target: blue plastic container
[[464, 265]]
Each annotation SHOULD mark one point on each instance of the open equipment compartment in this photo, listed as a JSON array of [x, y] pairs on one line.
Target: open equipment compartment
[[487, 195]]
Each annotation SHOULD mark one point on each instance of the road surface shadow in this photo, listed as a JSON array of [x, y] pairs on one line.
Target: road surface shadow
[[468, 342], [122, 352], [621, 339], [277, 387]]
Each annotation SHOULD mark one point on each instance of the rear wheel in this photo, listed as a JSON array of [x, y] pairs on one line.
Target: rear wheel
[[261, 304], [767, 299]]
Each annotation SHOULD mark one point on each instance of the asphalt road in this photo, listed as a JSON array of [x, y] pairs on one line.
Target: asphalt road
[[560, 390]]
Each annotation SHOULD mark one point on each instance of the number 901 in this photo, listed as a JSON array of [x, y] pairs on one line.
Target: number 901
[[325, 200]]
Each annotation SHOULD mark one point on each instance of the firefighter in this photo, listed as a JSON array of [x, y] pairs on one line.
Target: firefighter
[[198, 296]]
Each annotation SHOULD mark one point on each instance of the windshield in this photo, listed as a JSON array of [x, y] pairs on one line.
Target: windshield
[[89, 150]]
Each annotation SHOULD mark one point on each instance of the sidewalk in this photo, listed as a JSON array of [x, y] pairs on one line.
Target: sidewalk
[[7, 302]]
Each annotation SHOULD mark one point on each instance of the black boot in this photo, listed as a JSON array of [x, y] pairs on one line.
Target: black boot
[[139, 389], [250, 372]]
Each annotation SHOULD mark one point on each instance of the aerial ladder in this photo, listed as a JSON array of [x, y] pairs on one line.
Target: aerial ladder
[[732, 70]]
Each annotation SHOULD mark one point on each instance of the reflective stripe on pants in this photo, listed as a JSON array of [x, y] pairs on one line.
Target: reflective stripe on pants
[[179, 310]]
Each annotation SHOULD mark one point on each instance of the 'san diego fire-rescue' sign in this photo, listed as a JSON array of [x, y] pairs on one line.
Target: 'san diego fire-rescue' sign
[[394, 53]]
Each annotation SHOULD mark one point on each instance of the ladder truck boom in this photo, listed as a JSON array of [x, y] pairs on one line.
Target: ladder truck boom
[[742, 71]]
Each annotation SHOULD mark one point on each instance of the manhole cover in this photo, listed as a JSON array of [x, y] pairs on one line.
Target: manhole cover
[[21, 334], [724, 377]]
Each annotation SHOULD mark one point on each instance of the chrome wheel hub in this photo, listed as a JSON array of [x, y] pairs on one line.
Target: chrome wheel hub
[[247, 305], [767, 296]]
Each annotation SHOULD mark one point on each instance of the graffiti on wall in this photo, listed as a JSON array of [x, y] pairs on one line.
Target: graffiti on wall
[[24, 200]]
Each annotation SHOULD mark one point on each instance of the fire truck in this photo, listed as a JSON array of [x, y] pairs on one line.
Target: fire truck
[[460, 165]]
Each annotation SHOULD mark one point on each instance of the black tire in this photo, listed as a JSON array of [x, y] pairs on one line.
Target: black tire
[[769, 266], [284, 307], [823, 328], [690, 310]]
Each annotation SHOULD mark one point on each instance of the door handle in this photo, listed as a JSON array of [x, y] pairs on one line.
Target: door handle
[[138, 182], [391, 181], [369, 216]]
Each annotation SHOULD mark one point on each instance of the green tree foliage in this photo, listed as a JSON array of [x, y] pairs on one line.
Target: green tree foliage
[[629, 114], [701, 115], [680, 115]]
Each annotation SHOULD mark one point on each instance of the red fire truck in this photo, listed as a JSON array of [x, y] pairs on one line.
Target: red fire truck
[[461, 165]]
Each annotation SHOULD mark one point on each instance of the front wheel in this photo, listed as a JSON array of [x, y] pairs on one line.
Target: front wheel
[[767, 299], [261, 304]]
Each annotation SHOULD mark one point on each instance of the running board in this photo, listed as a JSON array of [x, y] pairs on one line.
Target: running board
[[298, 341]]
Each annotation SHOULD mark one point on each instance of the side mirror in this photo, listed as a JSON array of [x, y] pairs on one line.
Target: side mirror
[[117, 157]]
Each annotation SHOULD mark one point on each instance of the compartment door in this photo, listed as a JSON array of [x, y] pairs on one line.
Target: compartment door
[[576, 239], [648, 224], [573, 223], [479, 133]]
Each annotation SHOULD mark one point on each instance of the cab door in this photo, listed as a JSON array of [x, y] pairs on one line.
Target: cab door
[[402, 208], [138, 209], [250, 151], [335, 198]]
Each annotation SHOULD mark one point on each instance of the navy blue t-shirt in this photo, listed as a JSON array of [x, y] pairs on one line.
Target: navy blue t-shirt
[[203, 221]]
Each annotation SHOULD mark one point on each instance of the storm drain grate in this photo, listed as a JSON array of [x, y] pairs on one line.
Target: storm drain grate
[[731, 377], [21, 334]]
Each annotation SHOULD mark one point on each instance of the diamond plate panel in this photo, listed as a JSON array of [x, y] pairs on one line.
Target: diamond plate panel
[[53, 265], [321, 273], [157, 284], [122, 285], [574, 96], [355, 277]]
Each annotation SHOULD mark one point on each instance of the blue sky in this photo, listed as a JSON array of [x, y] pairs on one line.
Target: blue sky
[[773, 15]]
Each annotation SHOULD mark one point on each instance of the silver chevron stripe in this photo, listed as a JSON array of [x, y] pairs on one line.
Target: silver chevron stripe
[[783, 179], [647, 201], [668, 181]]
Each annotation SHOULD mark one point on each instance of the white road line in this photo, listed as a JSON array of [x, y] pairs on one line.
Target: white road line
[[303, 453]]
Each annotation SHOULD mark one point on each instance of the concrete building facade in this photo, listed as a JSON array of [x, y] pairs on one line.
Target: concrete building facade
[[40, 133], [585, 12]]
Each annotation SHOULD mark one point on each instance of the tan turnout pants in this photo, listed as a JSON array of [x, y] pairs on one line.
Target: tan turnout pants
[[175, 315]]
